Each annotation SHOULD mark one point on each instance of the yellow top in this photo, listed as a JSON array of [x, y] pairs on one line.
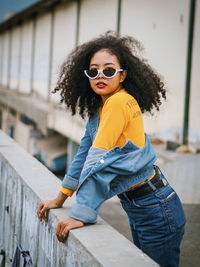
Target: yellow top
[[120, 119]]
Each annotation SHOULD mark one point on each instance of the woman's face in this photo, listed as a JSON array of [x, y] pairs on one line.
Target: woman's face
[[105, 87]]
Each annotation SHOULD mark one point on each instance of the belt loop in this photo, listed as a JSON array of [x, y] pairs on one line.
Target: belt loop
[[157, 169], [126, 197], [151, 185]]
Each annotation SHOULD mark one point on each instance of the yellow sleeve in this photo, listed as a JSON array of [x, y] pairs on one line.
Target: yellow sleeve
[[66, 191], [113, 121]]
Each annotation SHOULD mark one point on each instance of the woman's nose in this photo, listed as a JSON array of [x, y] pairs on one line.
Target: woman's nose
[[100, 76]]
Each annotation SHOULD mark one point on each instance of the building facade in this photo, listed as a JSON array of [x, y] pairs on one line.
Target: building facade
[[35, 42]]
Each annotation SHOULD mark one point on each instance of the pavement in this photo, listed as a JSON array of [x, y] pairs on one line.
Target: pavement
[[113, 214]]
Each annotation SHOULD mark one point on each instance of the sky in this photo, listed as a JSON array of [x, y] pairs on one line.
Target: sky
[[13, 6]]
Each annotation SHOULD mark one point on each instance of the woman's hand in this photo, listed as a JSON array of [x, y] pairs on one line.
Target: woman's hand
[[64, 226], [44, 206]]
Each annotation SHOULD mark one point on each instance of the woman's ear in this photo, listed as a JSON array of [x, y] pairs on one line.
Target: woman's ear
[[123, 75]]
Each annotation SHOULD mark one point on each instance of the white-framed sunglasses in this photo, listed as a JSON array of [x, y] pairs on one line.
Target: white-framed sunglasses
[[107, 72]]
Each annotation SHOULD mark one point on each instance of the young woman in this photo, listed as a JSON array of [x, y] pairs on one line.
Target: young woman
[[106, 80]]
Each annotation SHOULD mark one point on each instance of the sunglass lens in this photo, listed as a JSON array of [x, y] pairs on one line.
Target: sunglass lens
[[109, 72], [92, 73]]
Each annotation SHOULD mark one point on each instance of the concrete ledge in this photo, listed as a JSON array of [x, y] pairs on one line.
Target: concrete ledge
[[23, 183]]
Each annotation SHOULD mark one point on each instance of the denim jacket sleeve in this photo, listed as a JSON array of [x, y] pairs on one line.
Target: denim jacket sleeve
[[88, 202], [71, 178]]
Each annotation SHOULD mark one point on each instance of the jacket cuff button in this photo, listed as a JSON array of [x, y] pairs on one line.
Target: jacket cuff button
[[102, 161]]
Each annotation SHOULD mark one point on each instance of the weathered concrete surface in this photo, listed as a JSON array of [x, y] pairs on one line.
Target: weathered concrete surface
[[23, 183]]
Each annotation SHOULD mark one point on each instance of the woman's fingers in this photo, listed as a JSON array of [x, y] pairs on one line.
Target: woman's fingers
[[65, 226], [44, 212], [65, 233], [45, 206], [59, 230], [42, 208]]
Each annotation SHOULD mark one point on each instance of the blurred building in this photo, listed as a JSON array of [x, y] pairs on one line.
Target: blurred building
[[36, 40]]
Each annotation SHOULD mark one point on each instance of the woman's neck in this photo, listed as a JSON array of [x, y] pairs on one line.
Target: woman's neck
[[105, 97]]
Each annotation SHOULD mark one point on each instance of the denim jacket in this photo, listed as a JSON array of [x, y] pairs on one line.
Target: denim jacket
[[99, 174]]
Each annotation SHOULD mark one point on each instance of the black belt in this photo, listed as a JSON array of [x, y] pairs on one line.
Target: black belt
[[143, 189]]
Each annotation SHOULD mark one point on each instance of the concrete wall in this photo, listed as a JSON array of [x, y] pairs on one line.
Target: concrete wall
[[64, 39], [5, 39], [15, 58], [23, 183], [162, 27], [41, 59], [96, 17], [25, 74]]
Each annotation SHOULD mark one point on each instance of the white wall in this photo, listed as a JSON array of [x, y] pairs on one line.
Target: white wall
[[96, 17], [15, 57], [26, 57], [5, 37], [162, 28], [42, 55], [64, 38]]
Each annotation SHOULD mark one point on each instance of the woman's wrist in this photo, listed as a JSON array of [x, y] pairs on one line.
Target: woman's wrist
[[60, 199]]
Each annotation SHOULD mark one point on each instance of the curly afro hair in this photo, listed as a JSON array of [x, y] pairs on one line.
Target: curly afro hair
[[141, 82]]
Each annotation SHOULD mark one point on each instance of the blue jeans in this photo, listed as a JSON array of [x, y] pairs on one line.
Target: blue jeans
[[157, 224]]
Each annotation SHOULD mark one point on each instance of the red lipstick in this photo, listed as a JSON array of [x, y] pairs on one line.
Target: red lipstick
[[101, 84]]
